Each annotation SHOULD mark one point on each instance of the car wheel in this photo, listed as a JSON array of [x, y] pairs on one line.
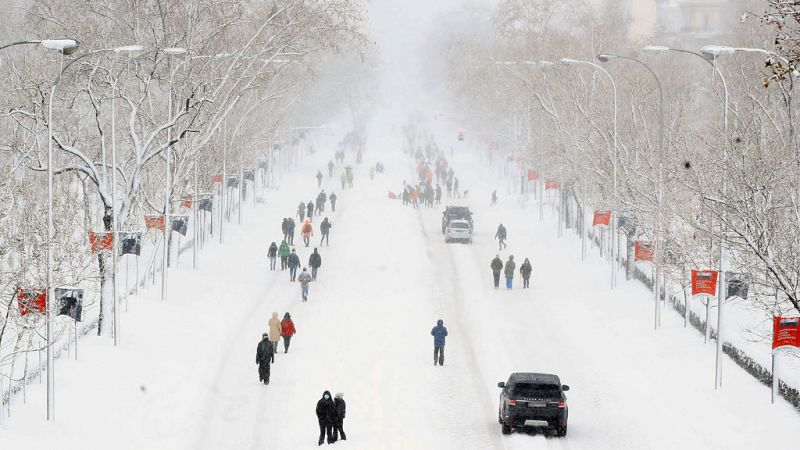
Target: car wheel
[[505, 429], [561, 432]]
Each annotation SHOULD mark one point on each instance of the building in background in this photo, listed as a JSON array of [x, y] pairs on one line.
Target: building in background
[[676, 20]]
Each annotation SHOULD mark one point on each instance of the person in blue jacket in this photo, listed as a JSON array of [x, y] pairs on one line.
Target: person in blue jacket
[[293, 262], [439, 333]]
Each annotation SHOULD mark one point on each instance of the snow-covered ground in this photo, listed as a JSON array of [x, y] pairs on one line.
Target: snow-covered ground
[[184, 376]]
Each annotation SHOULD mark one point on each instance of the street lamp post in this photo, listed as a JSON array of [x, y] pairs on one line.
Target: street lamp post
[[709, 54], [659, 178], [65, 47], [614, 237]]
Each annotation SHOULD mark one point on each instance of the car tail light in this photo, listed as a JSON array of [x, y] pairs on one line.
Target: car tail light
[[511, 402], [562, 404]]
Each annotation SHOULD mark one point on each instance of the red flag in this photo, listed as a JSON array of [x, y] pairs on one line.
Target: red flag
[[704, 282], [154, 221], [643, 251], [217, 178], [533, 175], [100, 240], [551, 184], [602, 218], [785, 332], [186, 201], [31, 301]]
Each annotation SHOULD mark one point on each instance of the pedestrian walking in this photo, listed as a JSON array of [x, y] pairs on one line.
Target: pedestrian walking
[[287, 331], [301, 211], [304, 279], [284, 253], [290, 228], [330, 168], [509, 271], [438, 194], [439, 333], [341, 410], [319, 178], [307, 230], [325, 229], [264, 356], [455, 188], [293, 262], [501, 236], [285, 228], [525, 270], [272, 254], [494, 197], [320, 206], [332, 198], [497, 267], [326, 415], [315, 262], [343, 179], [274, 331], [310, 210]]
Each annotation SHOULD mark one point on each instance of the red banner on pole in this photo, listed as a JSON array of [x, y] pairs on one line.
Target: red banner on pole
[[186, 201], [704, 282], [217, 178], [786, 332], [602, 218], [533, 175], [31, 301], [551, 184], [643, 251], [100, 240], [154, 221]]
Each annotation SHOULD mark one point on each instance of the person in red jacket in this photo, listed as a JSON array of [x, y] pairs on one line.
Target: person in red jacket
[[287, 331]]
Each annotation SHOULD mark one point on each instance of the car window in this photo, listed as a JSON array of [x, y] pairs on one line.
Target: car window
[[530, 390], [459, 225]]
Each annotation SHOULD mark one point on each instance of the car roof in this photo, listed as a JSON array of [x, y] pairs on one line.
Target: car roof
[[529, 377]]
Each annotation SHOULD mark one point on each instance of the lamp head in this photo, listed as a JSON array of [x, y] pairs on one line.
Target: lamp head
[[131, 51], [655, 49], [65, 46], [604, 57], [175, 51], [713, 52]]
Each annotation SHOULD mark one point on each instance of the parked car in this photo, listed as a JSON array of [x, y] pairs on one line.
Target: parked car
[[535, 400], [456, 213], [458, 230]]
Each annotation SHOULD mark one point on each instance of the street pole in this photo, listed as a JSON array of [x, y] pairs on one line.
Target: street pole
[[223, 187], [614, 237]]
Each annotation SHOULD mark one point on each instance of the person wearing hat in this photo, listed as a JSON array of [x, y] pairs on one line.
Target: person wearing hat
[[497, 267], [326, 415], [525, 270], [338, 426], [439, 333], [264, 356]]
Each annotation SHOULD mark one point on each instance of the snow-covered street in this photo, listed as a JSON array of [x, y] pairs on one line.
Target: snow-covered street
[[184, 375]]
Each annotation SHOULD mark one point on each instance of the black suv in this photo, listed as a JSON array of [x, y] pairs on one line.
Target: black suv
[[533, 400], [456, 213]]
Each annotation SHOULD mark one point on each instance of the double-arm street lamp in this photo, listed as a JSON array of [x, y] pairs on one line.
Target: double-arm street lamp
[[606, 57], [614, 238]]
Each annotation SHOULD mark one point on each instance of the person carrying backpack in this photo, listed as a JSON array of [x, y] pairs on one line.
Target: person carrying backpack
[[307, 230], [272, 254], [284, 252], [304, 279]]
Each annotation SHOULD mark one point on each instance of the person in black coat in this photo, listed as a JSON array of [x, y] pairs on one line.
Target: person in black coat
[[326, 415], [264, 356], [325, 229], [332, 198], [272, 254], [293, 262], [341, 409], [315, 262], [290, 230], [525, 270], [285, 229], [497, 267], [310, 212]]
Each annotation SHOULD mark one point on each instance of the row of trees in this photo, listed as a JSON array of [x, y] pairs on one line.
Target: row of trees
[[251, 71], [736, 186]]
